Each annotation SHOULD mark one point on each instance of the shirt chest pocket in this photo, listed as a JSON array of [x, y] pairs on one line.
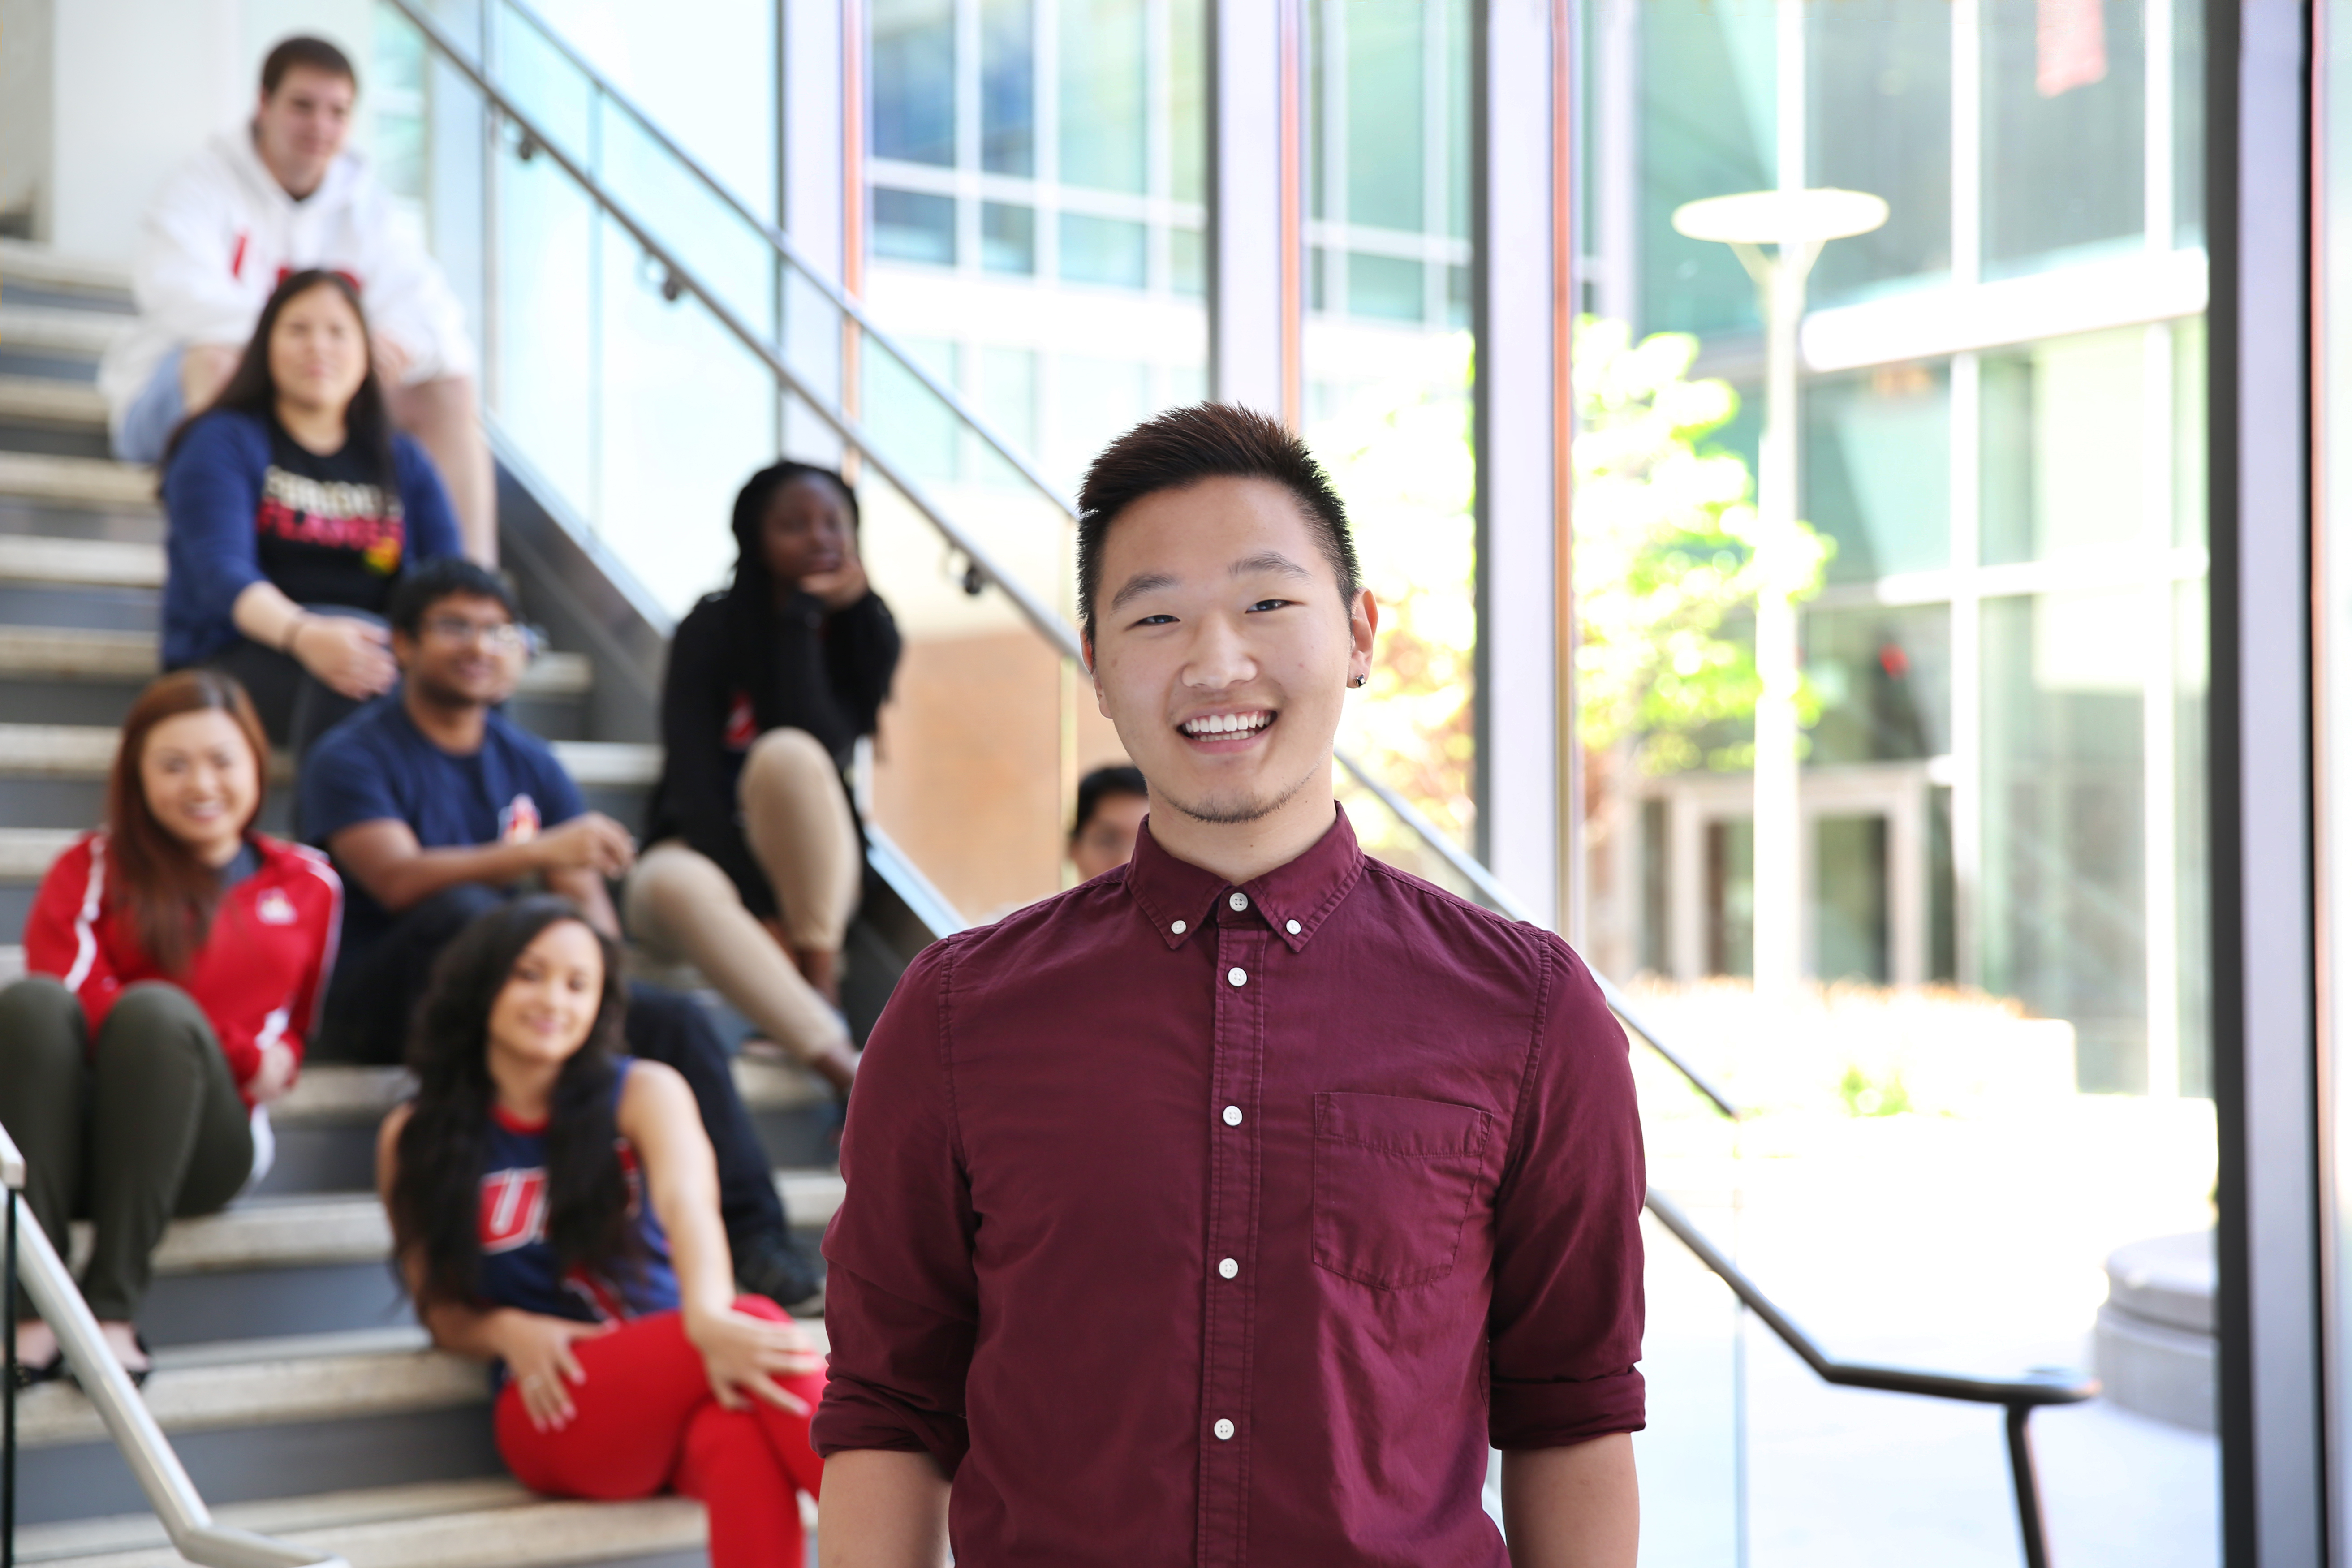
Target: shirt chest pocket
[[1393, 1182]]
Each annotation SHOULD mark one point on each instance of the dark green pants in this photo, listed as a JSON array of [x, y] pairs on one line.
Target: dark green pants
[[141, 1128]]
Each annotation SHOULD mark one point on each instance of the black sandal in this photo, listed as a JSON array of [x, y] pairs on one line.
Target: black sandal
[[24, 1374], [138, 1375]]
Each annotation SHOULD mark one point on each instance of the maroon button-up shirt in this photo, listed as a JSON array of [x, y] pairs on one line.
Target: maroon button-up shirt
[[1190, 1224]]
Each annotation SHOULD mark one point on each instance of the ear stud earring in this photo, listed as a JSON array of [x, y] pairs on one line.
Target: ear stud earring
[[1355, 681]]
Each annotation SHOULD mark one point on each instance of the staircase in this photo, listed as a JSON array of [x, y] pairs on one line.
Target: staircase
[[290, 1375]]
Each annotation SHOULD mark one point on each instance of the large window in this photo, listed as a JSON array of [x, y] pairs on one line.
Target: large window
[[1387, 362], [2000, 825], [1035, 192]]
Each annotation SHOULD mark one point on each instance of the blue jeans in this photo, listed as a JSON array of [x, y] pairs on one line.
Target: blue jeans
[[153, 414]]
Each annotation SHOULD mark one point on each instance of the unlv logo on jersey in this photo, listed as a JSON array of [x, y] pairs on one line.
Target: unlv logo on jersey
[[514, 1209], [742, 724], [519, 823]]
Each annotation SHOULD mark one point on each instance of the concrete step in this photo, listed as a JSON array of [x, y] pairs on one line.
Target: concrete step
[[338, 1094], [271, 1382], [338, 1227], [78, 481], [46, 328], [80, 562], [271, 1418], [40, 400], [23, 262], [27, 853], [484, 1523], [87, 752], [69, 653], [276, 1382]]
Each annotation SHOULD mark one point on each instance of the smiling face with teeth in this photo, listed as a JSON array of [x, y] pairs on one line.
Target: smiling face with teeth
[[1222, 653]]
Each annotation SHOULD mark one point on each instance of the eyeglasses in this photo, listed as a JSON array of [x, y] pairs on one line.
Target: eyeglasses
[[503, 637]]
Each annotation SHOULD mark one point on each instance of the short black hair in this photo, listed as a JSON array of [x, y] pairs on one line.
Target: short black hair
[[1118, 778], [302, 52], [446, 577], [1206, 441]]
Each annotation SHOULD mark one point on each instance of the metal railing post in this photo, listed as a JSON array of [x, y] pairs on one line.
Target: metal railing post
[[129, 1422], [2028, 1482], [12, 1183], [8, 1399]]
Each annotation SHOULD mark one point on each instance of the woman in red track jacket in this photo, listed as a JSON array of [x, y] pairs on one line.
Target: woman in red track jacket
[[176, 959]]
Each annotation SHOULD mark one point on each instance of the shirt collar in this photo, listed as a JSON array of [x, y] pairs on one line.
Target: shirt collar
[[1180, 898]]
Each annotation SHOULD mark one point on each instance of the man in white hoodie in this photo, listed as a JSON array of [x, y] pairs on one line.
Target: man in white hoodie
[[273, 197]]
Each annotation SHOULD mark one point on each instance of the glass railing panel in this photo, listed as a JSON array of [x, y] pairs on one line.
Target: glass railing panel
[[1387, 836], [727, 253], [1029, 538], [684, 415], [553, 93], [980, 741], [544, 365], [1694, 1456]]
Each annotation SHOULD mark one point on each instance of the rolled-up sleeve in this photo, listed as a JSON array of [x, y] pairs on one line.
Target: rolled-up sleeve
[[902, 1304], [1565, 1326]]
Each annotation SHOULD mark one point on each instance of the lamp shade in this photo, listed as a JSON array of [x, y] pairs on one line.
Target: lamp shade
[[1781, 217]]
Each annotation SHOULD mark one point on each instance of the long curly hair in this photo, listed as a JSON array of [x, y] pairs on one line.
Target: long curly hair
[[435, 1199], [169, 894]]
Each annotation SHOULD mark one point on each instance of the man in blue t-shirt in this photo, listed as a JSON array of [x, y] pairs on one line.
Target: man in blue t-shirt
[[435, 808]]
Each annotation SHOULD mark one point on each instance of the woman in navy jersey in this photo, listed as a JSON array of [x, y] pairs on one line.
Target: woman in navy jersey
[[293, 506], [555, 1212], [176, 961]]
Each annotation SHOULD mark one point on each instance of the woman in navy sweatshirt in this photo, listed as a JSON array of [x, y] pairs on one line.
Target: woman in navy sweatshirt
[[293, 506]]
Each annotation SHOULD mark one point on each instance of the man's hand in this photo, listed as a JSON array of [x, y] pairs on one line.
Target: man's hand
[[841, 587], [588, 842], [392, 361]]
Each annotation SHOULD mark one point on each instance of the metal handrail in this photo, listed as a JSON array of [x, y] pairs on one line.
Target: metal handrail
[[2017, 1398], [149, 1454], [778, 240]]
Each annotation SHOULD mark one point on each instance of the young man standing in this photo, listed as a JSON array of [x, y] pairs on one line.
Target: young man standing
[[435, 807], [276, 196], [1223, 1210]]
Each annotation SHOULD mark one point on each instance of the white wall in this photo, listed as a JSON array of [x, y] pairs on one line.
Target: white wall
[[134, 86], [24, 105]]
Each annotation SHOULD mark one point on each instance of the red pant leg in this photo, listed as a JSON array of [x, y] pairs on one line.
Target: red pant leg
[[755, 1513], [645, 1382]]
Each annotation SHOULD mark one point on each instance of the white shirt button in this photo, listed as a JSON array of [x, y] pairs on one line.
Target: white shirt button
[[1232, 1116], [1176, 926], [1239, 901], [1227, 1267], [1236, 976], [1223, 1429], [1292, 927]]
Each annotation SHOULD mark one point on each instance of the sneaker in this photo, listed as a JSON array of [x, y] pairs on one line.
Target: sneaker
[[781, 1270]]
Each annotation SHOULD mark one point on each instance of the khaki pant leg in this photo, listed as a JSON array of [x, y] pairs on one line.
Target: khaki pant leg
[[796, 817], [683, 906]]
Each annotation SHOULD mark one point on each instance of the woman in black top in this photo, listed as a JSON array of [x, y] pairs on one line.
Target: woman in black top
[[755, 865]]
